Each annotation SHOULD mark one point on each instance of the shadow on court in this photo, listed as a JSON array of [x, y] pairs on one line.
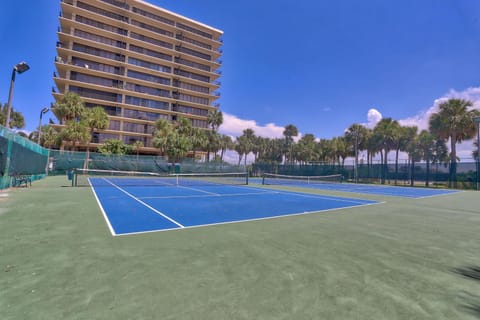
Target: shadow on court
[[471, 303]]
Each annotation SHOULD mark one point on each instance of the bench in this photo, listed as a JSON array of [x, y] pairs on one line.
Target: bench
[[19, 180]]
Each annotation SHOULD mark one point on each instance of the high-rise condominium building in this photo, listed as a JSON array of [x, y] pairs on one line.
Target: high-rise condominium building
[[139, 62]]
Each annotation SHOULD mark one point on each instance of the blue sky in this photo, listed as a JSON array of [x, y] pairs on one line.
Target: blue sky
[[320, 65]]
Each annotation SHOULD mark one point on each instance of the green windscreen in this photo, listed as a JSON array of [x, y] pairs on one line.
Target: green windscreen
[[20, 156]]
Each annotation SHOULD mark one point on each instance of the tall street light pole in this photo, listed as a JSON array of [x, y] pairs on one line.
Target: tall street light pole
[[18, 68], [477, 121], [356, 157], [44, 110]]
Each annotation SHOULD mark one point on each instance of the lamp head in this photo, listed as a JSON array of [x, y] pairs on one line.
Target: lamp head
[[21, 67]]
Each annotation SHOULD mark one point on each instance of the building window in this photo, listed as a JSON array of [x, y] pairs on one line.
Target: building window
[[98, 52], [147, 77], [150, 53], [149, 65], [96, 94], [194, 30], [100, 25], [153, 16], [151, 28], [147, 90], [114, 125], [101, 12], [193, 64], [151, 40], [99, 39], [89, 64], [148, 103], [191, 75], [193, 53]]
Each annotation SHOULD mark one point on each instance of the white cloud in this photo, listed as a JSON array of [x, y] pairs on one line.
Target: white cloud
[[234, 126], [421, 119], [373, 117], [464, 150]]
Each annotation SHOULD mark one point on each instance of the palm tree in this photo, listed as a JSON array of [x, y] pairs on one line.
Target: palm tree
[[306, 148], [113, 146], [69, 107], [199, 140], [163, 128], [244, 144], [178, 146], [402, 141], [137, 145], [414, 154], [95, 119], [215, 119], [356, 136], [16, 118], [49, 136], [384, 132], [77, 132], [213, 143], [340, 150], [373, 146], [226, 143], [426, 145], [454, 121], [241, 147], [289, 132]]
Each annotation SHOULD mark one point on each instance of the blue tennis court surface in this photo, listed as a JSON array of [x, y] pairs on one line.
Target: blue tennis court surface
[[383, 190], [136, 209]]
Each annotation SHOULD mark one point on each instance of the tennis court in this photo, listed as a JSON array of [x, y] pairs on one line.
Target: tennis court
[[334, 183], [399, 259], [136, 205]]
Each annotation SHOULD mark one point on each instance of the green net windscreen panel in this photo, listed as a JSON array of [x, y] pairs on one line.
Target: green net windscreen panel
[[25, 162], [20, 156], [64, 161], [3, 154]]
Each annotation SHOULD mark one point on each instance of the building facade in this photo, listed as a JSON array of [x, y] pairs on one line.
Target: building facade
[[139, 62]]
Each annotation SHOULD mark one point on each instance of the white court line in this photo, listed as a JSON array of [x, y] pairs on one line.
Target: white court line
[[249, 220], [146, 205], [101, 209], [340, 199], [219, 195], [200, 190]]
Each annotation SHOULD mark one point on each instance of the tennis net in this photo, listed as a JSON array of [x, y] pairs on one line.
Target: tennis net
[[112, 178], [281, 179]]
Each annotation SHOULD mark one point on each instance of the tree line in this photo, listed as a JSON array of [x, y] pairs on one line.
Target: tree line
[[452, 123]]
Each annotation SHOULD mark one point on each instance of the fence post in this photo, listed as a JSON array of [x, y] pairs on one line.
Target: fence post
[[6, 172]]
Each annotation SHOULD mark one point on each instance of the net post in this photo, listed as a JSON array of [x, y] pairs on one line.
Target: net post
[[246, 178]]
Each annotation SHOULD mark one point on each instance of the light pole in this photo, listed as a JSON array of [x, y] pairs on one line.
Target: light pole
[[477, 121], [18, 68], [44, 110], [356, 157]]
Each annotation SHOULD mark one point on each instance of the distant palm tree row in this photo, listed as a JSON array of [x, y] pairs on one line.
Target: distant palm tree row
[[452, 123]]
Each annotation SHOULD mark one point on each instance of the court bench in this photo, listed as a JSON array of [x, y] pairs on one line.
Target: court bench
[[21, 179]]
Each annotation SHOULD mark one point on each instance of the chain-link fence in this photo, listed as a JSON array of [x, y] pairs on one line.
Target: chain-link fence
[[20, 157], [61, 162], [418, 174]]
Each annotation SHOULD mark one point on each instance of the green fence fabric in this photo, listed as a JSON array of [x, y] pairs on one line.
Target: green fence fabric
[[64, 161], [20, 156], [404, 174]]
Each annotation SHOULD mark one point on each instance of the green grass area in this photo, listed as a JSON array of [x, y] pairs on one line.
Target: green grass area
[[401, 259]]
